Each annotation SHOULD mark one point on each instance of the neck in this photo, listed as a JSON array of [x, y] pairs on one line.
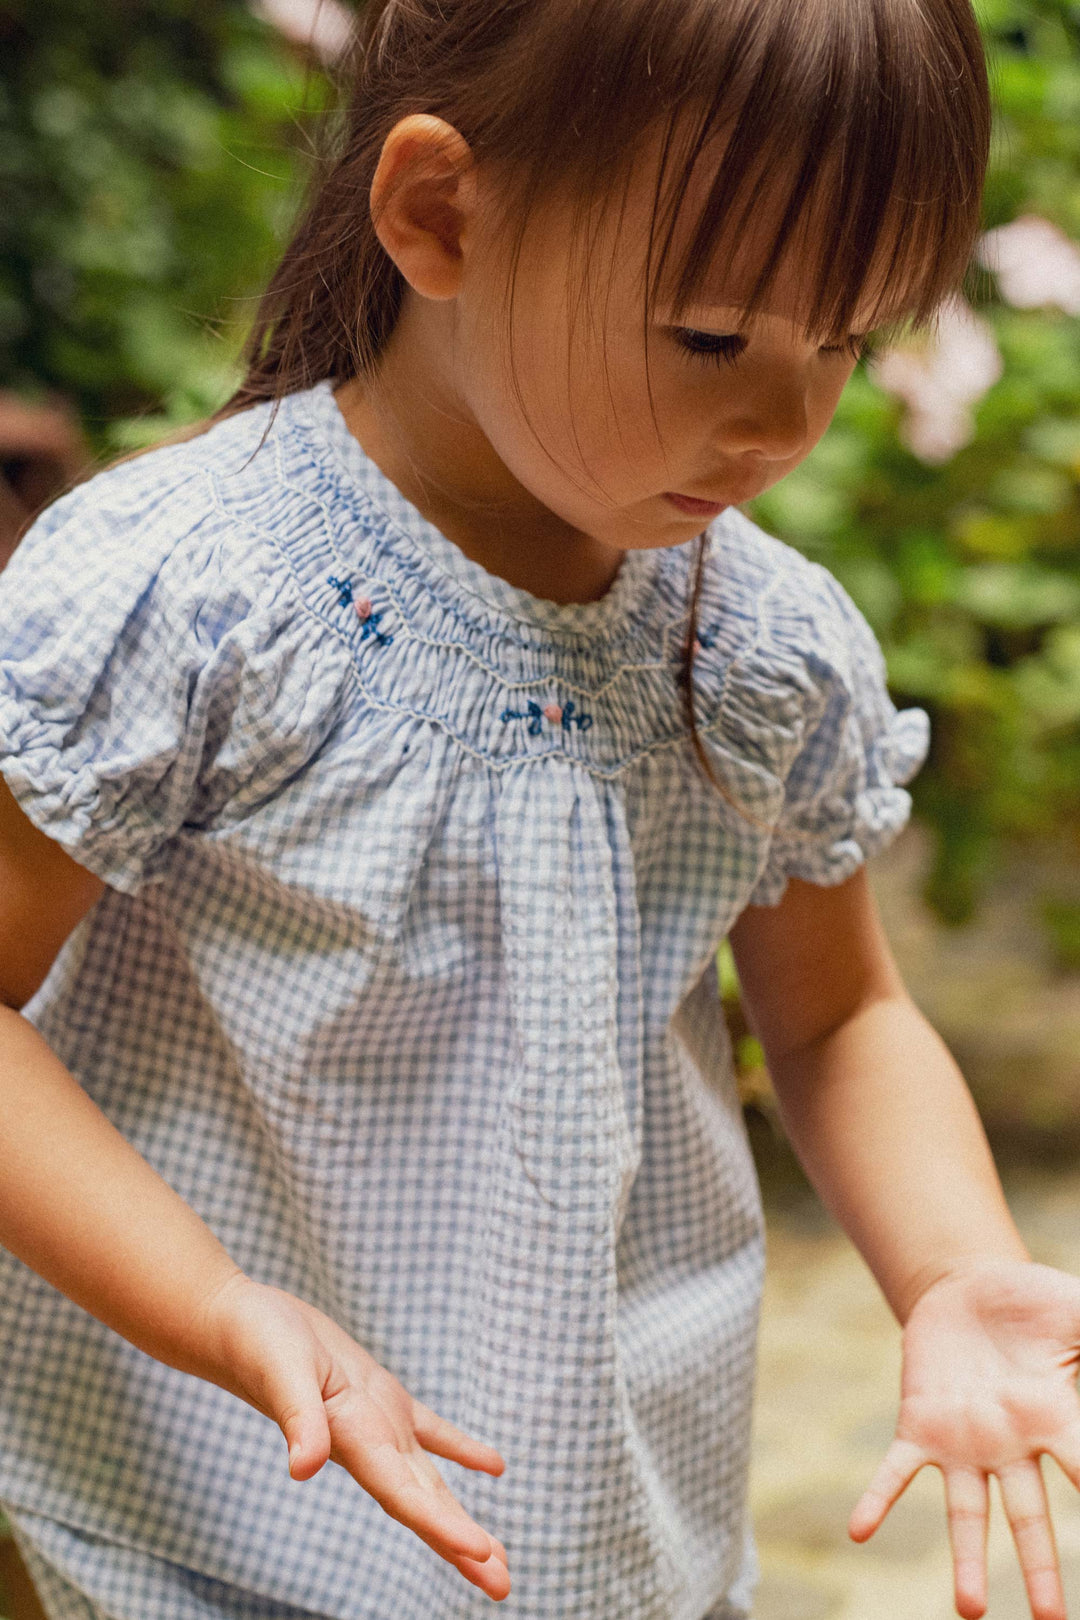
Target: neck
[[418, 429]]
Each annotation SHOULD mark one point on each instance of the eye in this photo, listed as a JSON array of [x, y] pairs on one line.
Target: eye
[[719, 347], [726, 347], [856, 346]]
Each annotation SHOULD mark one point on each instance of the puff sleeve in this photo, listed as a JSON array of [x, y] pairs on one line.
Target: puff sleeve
[[119, 665], [844, 799]]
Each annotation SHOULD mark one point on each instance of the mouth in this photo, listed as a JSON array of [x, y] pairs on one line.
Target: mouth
[[693, 507]]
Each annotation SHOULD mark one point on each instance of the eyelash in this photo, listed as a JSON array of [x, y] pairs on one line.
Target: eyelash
[[725, 348]]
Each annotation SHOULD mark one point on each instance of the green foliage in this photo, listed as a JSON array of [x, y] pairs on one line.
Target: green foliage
[[970, 571], [1062, 919], [148, 176]]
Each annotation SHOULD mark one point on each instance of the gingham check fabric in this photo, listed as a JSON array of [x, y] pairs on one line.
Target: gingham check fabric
[[126, 1580], [404, 979]]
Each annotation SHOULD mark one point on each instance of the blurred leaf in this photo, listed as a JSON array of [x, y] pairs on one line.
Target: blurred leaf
[[1055, 439], [1031, 489], [1048, 684], [151, 156], [1062, 919], [993, 534], [1014, 596], [749, 1054], [727, 975]]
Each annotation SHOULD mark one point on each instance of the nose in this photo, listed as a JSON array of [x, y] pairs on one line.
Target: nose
[[767, 423]]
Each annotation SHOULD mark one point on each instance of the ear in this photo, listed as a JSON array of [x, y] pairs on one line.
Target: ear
[[423, 202]]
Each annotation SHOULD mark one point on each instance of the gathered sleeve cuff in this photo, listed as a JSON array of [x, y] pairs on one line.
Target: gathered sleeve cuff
[[844, 798]]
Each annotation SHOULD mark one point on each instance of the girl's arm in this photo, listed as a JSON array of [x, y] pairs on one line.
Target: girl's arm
[[870, 1096], [879, 1114], [80, 1206]]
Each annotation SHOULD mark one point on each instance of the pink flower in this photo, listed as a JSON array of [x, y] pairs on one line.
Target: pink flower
[[553, 712], [1035, 264], [321, 26], [940, 380]]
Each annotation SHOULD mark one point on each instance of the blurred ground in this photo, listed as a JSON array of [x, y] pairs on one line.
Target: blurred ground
[[1009, 1014], [830, 1351], [828, 1383]]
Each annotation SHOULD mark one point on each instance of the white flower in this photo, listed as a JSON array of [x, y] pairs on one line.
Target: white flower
[[321, 26], [1035, 264], [941, 379]]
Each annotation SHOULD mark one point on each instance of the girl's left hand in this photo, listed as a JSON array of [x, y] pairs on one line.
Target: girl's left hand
[[989, 1383]]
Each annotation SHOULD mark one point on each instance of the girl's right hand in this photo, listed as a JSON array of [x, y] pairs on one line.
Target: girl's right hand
[[333, 1401]]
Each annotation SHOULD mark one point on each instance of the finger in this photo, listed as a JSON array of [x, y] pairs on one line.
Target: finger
[[309, 1443], [1066, 1453], [967, 1499], [445, 1439], [1023, 1494], [898, 1468], [411, 1490], [295, 1401], [492, 1577]]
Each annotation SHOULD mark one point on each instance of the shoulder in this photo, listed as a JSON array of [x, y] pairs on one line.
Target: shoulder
[[788, 672], [175, 571], [157, 660], [781, 635], [784, 600], [169, 530]]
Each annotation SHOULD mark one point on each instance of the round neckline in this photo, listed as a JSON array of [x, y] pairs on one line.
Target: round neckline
[[623, 599]]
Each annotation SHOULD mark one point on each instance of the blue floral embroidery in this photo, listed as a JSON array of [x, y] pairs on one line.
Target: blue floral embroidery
[[369, 621], [702, 640], [564, 714], [572, 717], [369, 627], [534, 714]]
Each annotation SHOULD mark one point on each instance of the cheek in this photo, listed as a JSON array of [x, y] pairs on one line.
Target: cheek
[[822, 403], [586, 400], [636, 419]]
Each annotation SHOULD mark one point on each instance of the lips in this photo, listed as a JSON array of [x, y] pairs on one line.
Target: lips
[[694, 507]]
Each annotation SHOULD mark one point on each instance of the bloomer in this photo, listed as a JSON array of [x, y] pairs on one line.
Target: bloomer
[[126, 1584]]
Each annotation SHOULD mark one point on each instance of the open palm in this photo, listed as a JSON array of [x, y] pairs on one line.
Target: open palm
[[989, 1384], [333, 1401]]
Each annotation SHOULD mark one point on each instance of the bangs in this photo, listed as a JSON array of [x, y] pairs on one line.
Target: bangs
[[856, 131], [844, 131]]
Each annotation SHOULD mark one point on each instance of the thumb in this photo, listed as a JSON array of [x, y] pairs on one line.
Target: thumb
[[293, 1395], [280, 1365], [308, 1435]]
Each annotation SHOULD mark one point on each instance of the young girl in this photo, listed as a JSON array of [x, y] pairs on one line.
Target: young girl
[[384, 767]]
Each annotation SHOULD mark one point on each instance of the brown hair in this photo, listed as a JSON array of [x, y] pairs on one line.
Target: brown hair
[[872, 117]]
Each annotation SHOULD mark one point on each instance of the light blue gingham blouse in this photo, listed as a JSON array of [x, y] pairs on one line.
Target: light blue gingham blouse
[[405, 980]]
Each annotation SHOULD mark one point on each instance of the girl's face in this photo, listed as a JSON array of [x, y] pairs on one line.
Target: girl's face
[[630, 457]]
